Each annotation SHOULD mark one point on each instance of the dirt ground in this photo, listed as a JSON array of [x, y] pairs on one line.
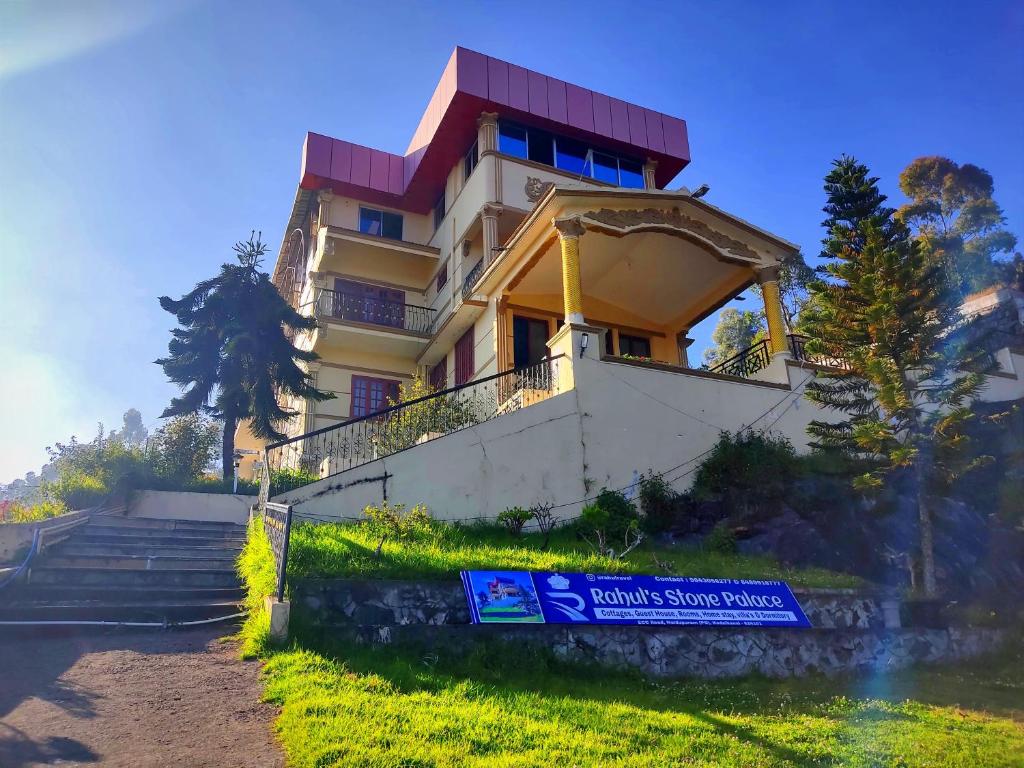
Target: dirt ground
[[132, 699]]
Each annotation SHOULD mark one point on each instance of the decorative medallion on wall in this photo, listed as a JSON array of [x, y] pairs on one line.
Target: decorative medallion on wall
[[536, 188]]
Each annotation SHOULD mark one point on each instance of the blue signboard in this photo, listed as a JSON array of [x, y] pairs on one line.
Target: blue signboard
[[525, 597]]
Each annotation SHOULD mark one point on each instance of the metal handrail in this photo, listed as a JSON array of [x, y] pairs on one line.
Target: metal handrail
[[746, 362], [471, 278], [277, 523], [382, 312]]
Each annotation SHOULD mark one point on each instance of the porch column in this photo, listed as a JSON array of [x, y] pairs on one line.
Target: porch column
[[324, 198], [649, 168], [768, 279], [569, 232], [487, 133], [683, 342], [309, 417], [489, 215]]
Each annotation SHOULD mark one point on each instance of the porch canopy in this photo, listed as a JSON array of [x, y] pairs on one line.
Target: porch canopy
[[646, 265]]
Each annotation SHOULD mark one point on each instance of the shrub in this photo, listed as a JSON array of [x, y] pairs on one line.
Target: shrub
[[401, 429], [611, 518], [721, 540], [17, 512], [658, 502], [74, 489], [391, 521], [282, 480], [258, 571], [514, 519], [746, 469], [184, 447]]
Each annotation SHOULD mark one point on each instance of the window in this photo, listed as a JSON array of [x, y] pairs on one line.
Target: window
[[439, 211], [380, 223], [637, 346], [529, 341], [439, 375], [469, 164], [570, 155], [464, 368], [512, 139], [609, 342], [442, 277], [370, 395]]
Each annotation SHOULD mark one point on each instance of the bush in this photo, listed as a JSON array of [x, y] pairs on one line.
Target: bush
[[401, 429], [721, 540], [391, 521], [74, 490], [17, 512], [610, 519], [283, 480], [659, 504], [747, 469], [514, 519]]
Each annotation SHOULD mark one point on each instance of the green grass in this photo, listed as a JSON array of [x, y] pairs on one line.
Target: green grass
[[255, 567], [353, 706], [347, 551]]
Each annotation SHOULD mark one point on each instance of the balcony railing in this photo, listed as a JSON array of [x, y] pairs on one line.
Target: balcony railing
[[757, 357], [313, 456], [471, 278], [373, 311]]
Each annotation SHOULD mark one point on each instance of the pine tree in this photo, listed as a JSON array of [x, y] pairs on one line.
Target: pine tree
[[232, 355], [885, 309]]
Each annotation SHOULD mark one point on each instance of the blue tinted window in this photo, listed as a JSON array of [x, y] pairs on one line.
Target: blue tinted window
[[631, 174], [571, 156], [369, 221], [392, 225], [512, 140], [606, 168], [542, 147], [380, 223]]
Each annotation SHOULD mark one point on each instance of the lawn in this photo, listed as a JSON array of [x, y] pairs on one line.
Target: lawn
[[353, 706], [347, 550]]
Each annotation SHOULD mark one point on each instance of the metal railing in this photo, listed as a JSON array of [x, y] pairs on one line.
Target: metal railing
[[471, 278], [313, 456], [745, 363], [277, 522], [363, 309], [757, 357]]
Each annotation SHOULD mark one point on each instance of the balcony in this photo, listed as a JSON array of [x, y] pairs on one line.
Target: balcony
[[371, 323]]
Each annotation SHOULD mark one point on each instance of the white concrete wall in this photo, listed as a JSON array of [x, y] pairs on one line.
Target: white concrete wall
[[180, 505]]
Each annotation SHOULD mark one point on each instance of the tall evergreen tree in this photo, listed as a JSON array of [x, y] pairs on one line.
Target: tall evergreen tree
[[232, 355], [883, 307]]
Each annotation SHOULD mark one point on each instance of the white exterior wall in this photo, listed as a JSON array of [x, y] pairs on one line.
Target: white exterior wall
[[180, 505]]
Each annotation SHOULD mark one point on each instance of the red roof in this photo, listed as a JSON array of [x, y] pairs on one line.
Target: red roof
[[473, 83]]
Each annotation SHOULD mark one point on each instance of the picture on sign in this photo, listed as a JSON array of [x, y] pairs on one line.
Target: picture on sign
[[502, 597], [586, 598]]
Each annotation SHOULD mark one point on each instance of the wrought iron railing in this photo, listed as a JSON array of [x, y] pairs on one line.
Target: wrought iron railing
[[471, 278], [277, 522], [798, 346], [304, 459], [363, 309], [746, 363]]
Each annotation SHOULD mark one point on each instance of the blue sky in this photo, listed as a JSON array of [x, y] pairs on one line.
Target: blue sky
[[138, 142]]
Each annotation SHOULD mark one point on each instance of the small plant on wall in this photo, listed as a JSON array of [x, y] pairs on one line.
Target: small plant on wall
[[514, 519], [421, 418]]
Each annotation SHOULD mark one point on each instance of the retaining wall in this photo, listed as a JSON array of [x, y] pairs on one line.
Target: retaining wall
[[183, 505]]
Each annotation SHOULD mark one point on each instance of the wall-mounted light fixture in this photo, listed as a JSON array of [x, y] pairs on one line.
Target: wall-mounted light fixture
[[584, 341]]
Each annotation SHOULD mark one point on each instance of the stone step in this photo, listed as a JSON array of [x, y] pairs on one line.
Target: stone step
[[117, 578], [185, 531], [159, 524], [48, 593], [140, 562], [75, 547], [121, 612], [156, 538]]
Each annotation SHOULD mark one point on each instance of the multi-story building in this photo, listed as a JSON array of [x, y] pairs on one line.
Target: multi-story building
[[527, 219]]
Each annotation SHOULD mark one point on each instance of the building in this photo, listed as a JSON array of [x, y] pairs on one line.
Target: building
[[524, 247]]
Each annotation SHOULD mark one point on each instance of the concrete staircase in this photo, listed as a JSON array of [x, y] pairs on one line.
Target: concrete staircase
[[132, 570]]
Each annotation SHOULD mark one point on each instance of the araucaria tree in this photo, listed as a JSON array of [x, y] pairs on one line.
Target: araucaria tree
[[232, 354], [884, 307]]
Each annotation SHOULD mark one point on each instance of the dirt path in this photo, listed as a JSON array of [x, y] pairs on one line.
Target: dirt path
[[132, 699]]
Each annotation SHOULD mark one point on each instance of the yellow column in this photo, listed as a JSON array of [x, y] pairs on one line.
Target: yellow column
[[569, 232], [768, 279]]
